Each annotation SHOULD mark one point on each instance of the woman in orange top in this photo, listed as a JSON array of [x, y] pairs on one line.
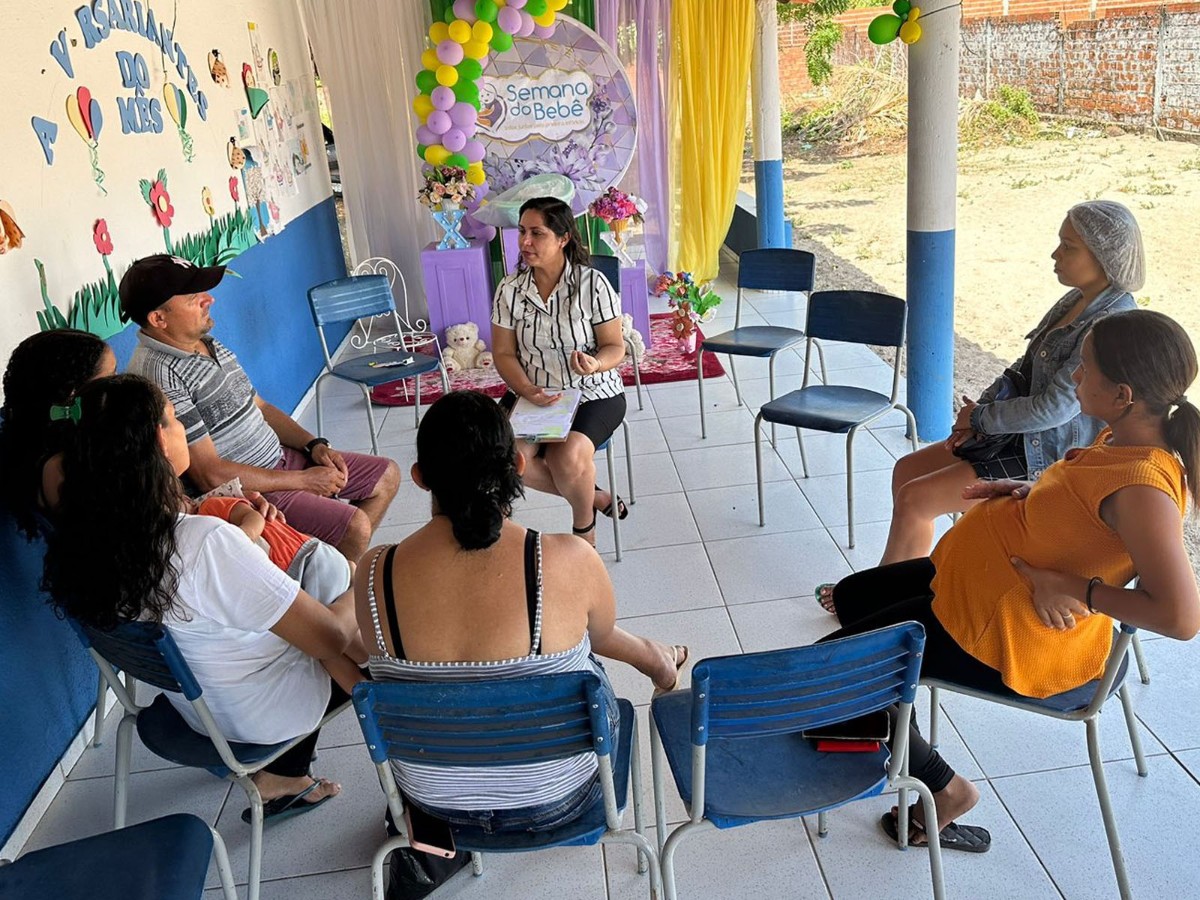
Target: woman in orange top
[[1021, 595]]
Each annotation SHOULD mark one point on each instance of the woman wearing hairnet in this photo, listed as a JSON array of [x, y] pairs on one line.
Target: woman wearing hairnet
[[1030, 416]]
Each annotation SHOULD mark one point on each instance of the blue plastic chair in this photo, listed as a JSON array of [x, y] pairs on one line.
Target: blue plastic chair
[[734, 745], [610, 268], [148, 652], [163, 859], [854, 317], [358, 297], [505, 722], [773, 269], [1083, 704]]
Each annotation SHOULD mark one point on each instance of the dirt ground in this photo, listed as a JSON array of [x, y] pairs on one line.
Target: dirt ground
[[850, 211]]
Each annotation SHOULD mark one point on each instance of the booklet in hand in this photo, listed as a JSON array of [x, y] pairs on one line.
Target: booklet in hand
[[543, 424]]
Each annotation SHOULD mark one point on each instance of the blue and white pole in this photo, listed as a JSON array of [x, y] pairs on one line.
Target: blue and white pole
[[932, 189], [768, 138]]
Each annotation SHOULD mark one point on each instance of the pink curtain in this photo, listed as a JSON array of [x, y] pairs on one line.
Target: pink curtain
[[639, 30]]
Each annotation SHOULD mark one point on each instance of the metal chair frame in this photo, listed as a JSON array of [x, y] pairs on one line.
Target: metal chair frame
[[607, 447], [612, 272]]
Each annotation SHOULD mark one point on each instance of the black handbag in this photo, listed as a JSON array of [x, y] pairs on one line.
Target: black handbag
[[987, 447], [413, 874]]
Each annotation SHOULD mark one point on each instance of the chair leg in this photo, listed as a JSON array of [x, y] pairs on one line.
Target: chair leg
[[758, 475], [1106, 810], [931, 825], [644, 850], [101, 696], [121, 771], [476, 864], [370, 419], [803, 455], [1135, 738], [254, 877], [771, 385], [635, 778], [850, 486], [628, 462], [656, 779], [1143, 669], [821, 360], [378, 883], [612, 487], [667, 862], [417, 402], [737, 390], [912, 427], [934, 709], [700, 386], [224, 870], [317, 400], [822, 824], [637, 379]]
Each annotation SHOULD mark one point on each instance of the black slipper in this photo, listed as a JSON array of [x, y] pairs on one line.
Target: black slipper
[[622, 509], [288, 806], [968, 838]]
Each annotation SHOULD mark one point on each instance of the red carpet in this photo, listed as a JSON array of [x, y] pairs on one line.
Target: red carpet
[[662, 363]]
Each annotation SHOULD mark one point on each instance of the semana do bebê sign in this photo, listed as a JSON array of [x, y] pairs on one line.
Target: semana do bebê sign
[[552, 105]]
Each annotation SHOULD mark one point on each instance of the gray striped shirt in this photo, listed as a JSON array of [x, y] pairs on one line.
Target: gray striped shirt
[[212, 396], [548, 331]]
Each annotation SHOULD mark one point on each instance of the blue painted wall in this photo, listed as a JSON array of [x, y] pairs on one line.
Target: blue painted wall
[[47, 683]]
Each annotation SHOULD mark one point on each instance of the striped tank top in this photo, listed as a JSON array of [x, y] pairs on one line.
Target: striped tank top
[[478, 787]]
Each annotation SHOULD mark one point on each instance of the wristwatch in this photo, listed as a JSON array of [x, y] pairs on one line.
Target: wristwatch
[[311, 445]]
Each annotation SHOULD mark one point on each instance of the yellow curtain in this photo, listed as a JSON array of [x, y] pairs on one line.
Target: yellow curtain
[[710, 76]]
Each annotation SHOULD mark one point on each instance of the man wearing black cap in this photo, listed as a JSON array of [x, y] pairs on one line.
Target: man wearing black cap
[[232, 432]]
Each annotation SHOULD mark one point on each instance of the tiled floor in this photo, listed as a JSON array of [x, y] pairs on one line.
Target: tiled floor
[[698, 569]]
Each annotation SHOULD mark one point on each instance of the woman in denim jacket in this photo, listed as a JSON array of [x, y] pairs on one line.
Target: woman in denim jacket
[[1029, 417]]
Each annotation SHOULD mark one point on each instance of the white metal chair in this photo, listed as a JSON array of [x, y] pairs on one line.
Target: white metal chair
[[607, 447]]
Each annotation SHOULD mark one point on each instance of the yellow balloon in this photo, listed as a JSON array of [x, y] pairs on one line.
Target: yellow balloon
[[459, 31], [475, 49], [76, 118], [501, 3], [546, 18], [474, 175], [481, 31], [430, 61], [910, 32], [422, 106], [438, 32], [436, 154], [447, 76], [556, 5], [914, 14]]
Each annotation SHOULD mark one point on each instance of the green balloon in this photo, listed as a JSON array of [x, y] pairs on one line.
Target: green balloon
[[501, 40], [421, 148], [426, 81], [485, 10], [450, 15], [457, 159], [901, 8], [536, 7], [884, 29], [467, 92], [469, 69]]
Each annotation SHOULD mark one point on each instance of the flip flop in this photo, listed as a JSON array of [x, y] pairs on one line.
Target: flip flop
[[622, 509], [824, 597], [968, 838], [681, 653], [287, 807]]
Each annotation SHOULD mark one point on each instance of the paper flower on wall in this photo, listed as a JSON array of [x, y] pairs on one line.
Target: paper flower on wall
[[101, 238], [233, 188], [206, 201], [155, 194], [11, 235]]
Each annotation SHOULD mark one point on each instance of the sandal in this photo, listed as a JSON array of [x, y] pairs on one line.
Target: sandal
[[290, 805], [824, 596], [622, 509], [968, 838], [680, 653], [584, 532]]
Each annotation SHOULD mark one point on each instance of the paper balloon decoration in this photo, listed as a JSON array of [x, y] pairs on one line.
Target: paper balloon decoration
[[85, 117], [175, 101], [886, 28]]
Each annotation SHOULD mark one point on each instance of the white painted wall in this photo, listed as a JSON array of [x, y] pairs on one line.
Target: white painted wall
[[56, 205]]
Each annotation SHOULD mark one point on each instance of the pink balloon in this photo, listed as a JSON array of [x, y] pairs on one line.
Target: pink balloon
[[509, 19], [425, 136], [462, 114], [545, 32], [449, 53], [438, 122], [527, 25], [517, 4], [473, 150], [454, 140], [465, 9], [442, 97]]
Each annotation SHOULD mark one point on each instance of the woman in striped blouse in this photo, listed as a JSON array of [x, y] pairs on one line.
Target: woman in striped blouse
[[556, 323]]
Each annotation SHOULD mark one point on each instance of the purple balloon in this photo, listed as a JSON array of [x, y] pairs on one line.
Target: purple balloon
[[462, 114], [449, 53], [454, 140], [517, 4], [468, 130], [473, 150], [442, 97], [425, 136], [465, 9], [438, 122], [509, 19], [545, 32], [527, 25], [481, 191]]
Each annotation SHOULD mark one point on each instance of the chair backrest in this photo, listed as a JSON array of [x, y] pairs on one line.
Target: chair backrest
[[857, 317], [484, 723], [776, 269], [610, 268], [146, 651], [787, 691], [349, 299], [381, 265]]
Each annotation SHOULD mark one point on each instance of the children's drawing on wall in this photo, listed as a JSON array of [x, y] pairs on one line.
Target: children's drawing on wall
[[11, 234], [217, 69], [273, 65], [175, 101], [245, 127], [86, 118], [96, 307], [256, 54], [255, 182], [255, 96]]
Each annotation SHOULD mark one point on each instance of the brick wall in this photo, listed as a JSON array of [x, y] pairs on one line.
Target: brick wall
[[1120, 61]]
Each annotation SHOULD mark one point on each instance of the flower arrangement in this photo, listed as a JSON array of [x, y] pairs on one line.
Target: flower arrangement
[[445, 184], [615, 206], [691, 303]]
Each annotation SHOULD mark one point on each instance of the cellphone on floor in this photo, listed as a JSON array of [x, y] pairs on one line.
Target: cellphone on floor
[[427, 834]]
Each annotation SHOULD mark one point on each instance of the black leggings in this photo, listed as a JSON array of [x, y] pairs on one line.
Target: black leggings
[[297, 761], [901, 592]]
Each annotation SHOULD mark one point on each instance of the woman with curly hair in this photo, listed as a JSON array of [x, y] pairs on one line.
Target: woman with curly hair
[[122, 550], [44, 373]]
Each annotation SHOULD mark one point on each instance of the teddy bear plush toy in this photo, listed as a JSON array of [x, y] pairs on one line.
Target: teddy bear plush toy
[[633, 337], [464, 350]]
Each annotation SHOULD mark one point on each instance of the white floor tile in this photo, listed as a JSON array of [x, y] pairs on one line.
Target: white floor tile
[[711, 467], [355, 883], [894, 439], [1174, 673], [545, 875], [664, 579], [730, 512], [101, 761], [653, 473], [827, 453], [732, 426], [645, 436], [659, 520], [683, 398], [765, 567], [872, 496]]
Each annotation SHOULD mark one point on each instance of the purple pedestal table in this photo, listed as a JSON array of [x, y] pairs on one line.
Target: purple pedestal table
[[458, 288]]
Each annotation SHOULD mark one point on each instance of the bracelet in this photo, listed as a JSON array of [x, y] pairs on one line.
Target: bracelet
[[1091, 586], [311, 445]]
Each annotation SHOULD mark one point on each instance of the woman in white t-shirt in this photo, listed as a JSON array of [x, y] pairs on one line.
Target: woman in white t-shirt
[[556, 323], [122, 551]]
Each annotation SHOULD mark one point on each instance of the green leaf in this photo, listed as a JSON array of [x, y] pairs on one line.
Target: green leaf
[[145, 186]]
